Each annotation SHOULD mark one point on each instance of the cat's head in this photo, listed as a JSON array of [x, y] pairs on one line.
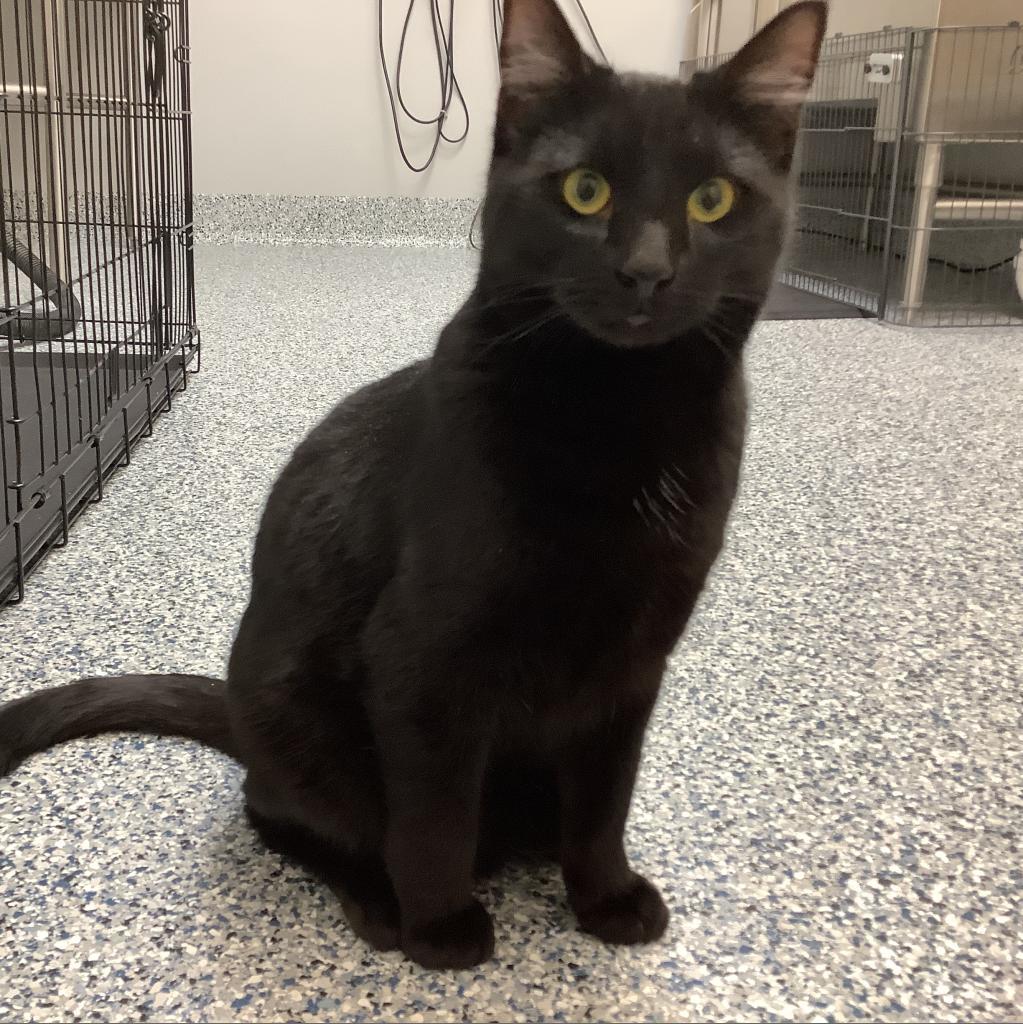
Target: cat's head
[[642, 205]]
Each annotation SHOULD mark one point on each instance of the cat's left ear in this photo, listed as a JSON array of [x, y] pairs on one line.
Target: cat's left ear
[[539, 53], [773, 72]]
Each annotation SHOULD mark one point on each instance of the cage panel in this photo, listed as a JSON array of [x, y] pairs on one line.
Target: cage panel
[[910, 175], [97, 310]]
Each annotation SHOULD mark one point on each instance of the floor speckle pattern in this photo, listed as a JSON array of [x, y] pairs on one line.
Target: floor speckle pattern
[[832, 795]]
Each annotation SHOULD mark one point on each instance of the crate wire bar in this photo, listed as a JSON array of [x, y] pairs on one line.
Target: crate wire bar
[[910, 175], [97, 309]]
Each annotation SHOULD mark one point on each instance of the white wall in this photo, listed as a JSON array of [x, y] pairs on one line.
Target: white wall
[[288, 97]]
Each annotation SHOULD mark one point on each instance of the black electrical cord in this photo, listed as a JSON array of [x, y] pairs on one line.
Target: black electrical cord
[[444, 44], [972, 270], [497, 10], [589, 28], [473, 244], [45, 317], [958, 267], [445, 71]]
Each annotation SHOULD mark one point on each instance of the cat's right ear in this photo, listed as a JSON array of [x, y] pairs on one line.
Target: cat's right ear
[[539, 53]]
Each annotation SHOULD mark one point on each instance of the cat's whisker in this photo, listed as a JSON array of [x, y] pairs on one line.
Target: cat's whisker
[[756, 297], [726, 330], [707, 330], [524, 290], [519, 331], [672, 489], [667, 519], [511, 295], [638, 506]]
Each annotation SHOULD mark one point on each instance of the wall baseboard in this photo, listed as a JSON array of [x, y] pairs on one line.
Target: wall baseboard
[[332, 220]]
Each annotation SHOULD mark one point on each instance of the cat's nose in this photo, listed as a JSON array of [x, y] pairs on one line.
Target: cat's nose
[[645, 280], [648, 266]]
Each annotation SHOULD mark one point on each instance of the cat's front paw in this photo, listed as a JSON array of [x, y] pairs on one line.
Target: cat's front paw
[[636, 913], [374, 920], [462, 939]]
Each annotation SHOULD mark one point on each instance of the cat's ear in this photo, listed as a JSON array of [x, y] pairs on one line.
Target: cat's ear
[[776, 67], [538, 50], [769, 78]]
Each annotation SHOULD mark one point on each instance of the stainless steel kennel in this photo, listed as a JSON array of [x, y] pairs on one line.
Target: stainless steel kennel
[[910, 175]]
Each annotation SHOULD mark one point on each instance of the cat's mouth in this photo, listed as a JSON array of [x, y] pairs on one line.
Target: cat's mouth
[[632, 324], [633, 330]]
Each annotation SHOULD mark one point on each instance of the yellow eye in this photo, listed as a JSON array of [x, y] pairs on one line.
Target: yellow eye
[[711, 201], [586, 191]]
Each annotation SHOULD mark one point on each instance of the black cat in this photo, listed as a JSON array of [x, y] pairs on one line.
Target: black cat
[[468, 579]]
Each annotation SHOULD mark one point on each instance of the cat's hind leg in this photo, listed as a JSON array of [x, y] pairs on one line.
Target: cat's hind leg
[[359, 880]]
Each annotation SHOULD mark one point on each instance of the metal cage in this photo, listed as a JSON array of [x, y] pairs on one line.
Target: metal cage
[[910, 175], [97, 308]]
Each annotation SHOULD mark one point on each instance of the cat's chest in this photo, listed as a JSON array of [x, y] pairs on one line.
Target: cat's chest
[[586, 625], [589, 615], [589, 532], [619, 576]]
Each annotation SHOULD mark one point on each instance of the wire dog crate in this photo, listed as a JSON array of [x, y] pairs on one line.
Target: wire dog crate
[[97, 309], [910, 175]]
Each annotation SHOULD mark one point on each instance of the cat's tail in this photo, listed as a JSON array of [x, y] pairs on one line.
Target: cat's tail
[[170, 705]]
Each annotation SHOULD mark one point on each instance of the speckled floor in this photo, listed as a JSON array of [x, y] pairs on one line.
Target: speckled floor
[[832, 798]]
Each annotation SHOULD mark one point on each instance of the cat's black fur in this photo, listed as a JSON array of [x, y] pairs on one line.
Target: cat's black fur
[[469, 577]]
